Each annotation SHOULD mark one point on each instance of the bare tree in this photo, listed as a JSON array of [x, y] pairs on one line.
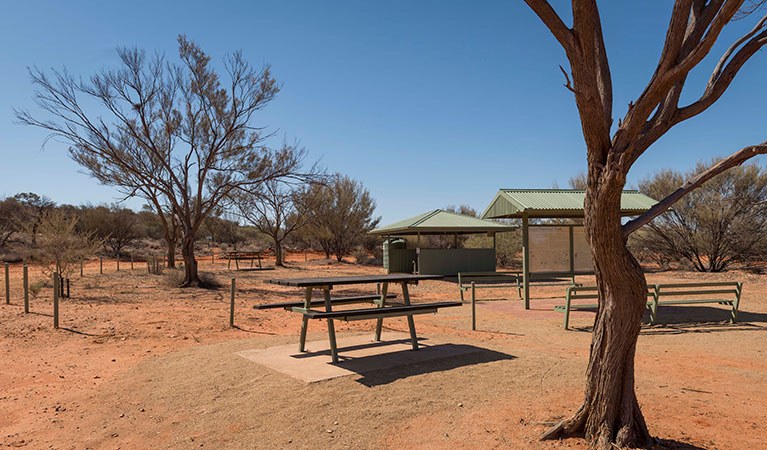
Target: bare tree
[[61, 247], [277, 209], [610, 413], [177, 135]]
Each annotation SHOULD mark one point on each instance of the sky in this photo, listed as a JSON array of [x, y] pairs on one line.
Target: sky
[[427, 103]]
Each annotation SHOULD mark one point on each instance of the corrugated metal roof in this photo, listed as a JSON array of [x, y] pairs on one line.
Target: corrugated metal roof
[[440, 221], [556, 203]]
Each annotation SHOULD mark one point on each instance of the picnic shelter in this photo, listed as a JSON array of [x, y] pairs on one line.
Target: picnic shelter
[[438, 261]]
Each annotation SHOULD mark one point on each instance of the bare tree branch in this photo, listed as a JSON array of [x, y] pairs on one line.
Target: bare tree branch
[[733, 160]]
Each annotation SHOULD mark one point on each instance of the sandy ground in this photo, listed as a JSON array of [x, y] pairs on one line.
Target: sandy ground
[[138, 363]]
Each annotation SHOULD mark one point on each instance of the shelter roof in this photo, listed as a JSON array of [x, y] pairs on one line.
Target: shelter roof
[[439, 221], [556, 203]]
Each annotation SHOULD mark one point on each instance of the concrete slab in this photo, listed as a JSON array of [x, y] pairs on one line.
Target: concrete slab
[[357, 355]]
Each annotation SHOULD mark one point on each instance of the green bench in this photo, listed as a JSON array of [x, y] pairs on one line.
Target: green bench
[[489, 280], [724, 293], [506, 279]]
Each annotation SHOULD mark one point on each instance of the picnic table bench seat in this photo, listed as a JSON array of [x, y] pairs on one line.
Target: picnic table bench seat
[[374, 313], [657, 292], [320, 302]]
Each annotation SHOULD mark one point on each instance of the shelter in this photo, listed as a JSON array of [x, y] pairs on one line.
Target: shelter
[[554, 250], [438, 261]]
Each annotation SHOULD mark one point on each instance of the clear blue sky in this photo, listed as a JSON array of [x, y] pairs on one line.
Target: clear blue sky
[[428, 103]]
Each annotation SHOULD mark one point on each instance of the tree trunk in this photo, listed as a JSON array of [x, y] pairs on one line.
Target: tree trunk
[[171, 253], [278, 253], [610, 412], [191, 277]]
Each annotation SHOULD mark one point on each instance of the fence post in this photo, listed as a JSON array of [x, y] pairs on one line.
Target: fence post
[[231, 304], [118, 262], [68, 288], [131, 262], [55, 300], [101, 265], [7, 286], [26, 289], [473, 307]]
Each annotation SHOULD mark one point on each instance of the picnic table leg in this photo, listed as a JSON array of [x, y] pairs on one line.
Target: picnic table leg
[[259, 260], [229, 263], [251, 262], [305, 320], [567, 309], [410, 321], [381, 304], [331, 326]]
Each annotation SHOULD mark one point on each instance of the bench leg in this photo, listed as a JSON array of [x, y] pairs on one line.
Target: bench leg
[[460, 289], [305, 321], [331, 327], [381, 304], [410, 321]]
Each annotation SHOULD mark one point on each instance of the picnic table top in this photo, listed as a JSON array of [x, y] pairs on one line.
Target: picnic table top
[[359, 279]]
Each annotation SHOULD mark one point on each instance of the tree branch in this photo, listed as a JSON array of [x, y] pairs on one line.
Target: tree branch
[[551, 19], [733, 160]]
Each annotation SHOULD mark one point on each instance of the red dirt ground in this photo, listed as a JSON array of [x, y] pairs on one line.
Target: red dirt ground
[[138, 363]]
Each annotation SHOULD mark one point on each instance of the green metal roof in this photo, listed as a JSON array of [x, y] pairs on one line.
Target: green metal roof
[[556, 203], [439, 221]]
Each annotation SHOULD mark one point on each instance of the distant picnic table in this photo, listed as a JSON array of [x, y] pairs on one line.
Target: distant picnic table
[[237, 256], [381, 309]]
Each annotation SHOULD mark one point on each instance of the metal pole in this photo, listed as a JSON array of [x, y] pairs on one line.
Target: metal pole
[[81, 267], [131, 262], [55, 300], [526, 260], [101, 265], [68, 288], [26, 289], [7, 286], [231, 304], [118, 262], [473, 307]]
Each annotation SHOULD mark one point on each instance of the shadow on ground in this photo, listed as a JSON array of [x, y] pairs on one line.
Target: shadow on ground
[[464, 356]]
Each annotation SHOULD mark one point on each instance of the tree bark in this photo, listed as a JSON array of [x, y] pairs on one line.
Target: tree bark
[[171, 253], [191, 277], [278, 253], [610, 412]]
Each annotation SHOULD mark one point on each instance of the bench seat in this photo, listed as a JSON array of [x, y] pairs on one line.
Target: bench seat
[[375, 313], [320, 302]]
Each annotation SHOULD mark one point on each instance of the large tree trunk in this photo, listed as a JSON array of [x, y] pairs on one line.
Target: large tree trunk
[[610, 412], [191, 277]]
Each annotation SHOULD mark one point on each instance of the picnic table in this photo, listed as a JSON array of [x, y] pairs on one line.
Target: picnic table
[[381, 309], [242, 256]]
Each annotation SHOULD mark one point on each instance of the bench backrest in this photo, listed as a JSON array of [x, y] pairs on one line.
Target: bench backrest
[[668, 289], [465, 278]]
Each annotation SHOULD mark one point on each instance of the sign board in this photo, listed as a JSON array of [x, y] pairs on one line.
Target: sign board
[[549, 249]]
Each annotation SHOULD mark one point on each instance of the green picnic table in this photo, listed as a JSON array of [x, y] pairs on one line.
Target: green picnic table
[[381, 309]]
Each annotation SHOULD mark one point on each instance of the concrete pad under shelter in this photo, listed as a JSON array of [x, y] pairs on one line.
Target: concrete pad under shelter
[[357, 354]]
